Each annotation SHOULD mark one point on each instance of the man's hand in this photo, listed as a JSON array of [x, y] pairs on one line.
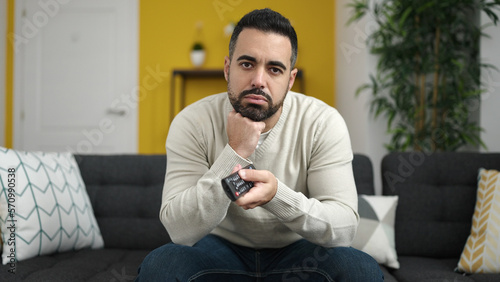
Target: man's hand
[[243, 133], [264, 190]]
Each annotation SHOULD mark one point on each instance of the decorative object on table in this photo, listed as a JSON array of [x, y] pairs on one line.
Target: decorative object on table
[[428, 72], [197, 54]]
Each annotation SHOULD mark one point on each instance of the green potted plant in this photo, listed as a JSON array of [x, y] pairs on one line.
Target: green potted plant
[[428, 71], [197, 54]]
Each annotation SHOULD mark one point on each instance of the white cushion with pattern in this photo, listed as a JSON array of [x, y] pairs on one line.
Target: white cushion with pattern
[[375, 235], [47, 209]]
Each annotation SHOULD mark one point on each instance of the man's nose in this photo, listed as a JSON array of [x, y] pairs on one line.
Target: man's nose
[[259, 78]]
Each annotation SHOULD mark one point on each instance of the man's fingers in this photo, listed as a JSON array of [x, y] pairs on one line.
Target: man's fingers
[[236, 168], [265, 187], [253, 175], [243, 174]]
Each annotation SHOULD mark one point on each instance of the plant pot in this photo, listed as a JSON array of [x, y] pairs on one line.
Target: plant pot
[[197, 57]]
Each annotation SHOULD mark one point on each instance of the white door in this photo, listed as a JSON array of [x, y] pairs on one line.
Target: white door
[[76, 76]]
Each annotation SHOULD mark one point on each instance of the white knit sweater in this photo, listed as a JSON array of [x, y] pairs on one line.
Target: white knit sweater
[[308, 151]]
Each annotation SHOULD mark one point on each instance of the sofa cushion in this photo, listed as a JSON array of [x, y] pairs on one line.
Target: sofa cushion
[[388, 277], [126, 191], [375, 234], [44, 205], [481, 253], [437, 194], [83, 265], [431, 269], [427, 269]]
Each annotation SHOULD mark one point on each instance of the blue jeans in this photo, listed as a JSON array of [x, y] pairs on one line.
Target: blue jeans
[[216, 259]]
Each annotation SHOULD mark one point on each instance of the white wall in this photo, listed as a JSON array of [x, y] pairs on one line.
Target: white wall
[[490, 101], [3, 42], [354, 64]]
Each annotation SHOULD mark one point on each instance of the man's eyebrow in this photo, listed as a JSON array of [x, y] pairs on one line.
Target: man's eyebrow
[[278, 64], [247, 58], [270, 63]]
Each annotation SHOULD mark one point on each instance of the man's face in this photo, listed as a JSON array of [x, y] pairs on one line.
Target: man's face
[[259, 74]]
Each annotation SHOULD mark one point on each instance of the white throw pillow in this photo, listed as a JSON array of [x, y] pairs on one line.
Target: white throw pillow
[[44, 206], [375, 235]]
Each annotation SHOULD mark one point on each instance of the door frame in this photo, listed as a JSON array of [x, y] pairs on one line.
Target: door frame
[[18, 138], [17, 132], [3, 70]]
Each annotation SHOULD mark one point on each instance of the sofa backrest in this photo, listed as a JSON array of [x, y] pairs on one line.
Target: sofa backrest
[[437, 196], [125, 191], [363, 174]]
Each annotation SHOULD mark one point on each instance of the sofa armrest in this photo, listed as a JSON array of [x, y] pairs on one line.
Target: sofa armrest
[[363, 174]]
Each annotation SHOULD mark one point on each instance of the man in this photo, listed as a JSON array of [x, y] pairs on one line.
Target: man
[[298, 220]]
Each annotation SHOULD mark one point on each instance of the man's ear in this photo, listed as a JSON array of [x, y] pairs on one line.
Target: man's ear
[[293, 74], [227, 62]]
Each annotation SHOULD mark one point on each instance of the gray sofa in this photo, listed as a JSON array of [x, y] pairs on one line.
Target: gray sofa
[[432, 220], [125, 191], [437, 196]]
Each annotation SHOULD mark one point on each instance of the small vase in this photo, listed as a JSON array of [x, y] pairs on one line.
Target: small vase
[[197, 57]]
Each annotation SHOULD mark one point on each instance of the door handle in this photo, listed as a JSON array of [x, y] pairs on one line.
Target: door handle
[[116, 112]]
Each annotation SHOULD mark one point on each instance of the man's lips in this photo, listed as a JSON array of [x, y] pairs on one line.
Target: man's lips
[[256, 99]]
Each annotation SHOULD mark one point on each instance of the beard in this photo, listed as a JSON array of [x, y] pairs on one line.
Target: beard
[[253, 111]]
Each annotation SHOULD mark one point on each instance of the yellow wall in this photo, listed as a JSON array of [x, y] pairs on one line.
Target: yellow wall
[[168, 29]]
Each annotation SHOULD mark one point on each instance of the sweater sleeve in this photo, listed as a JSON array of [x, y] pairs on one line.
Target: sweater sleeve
[[193, 203], [328, 215]]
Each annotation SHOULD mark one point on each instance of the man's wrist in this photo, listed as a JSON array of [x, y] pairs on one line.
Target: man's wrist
[[241, 153], [226, 161]]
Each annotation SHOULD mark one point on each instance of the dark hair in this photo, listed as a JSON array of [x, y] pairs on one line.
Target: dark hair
[[266, 20]]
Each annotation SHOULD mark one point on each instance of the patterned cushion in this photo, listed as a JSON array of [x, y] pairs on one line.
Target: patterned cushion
[[44, 206], [375, 234], [481, 253]]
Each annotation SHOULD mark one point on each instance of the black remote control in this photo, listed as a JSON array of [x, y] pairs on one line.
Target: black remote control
[[234, 186]]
